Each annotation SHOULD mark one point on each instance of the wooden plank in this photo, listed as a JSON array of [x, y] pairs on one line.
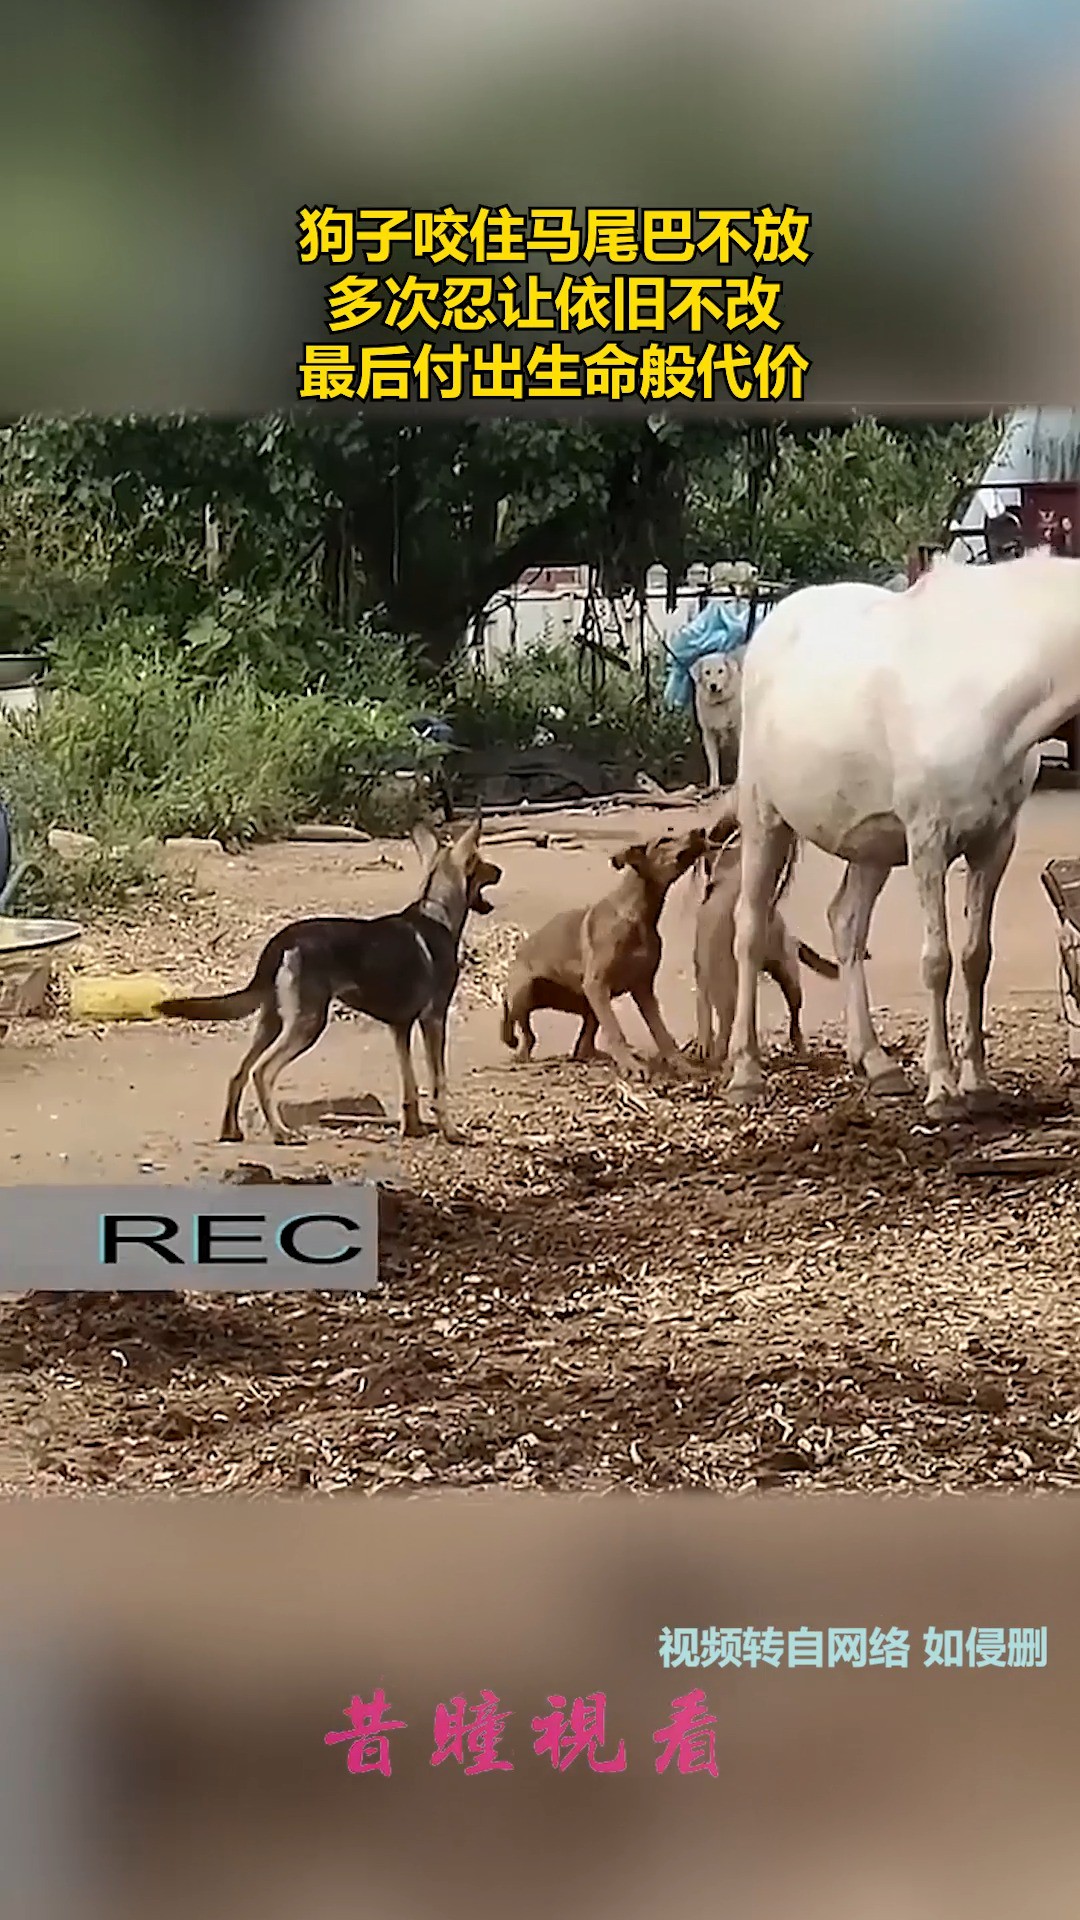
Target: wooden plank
[[1027, 1165], [317, 832]]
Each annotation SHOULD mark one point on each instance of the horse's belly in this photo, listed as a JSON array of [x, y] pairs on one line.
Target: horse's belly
[[839, 802], [874, 834]]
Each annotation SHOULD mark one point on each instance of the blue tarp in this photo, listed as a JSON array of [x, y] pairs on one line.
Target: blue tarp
[[717, 629]]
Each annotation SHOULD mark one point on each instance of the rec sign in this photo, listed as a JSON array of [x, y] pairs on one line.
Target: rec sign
[[209, 1239]]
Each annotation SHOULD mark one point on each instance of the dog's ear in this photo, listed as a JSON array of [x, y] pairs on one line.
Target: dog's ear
[[465, 846], [634, 856], [427, 843]]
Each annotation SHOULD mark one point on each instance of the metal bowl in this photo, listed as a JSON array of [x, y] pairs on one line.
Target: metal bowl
[[20, 670], [23, 940]]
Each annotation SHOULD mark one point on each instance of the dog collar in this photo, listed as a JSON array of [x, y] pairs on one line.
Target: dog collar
[[435, 911]]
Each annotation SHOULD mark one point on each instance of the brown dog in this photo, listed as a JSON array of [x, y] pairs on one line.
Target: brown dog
[[582, 960], [715, 972]]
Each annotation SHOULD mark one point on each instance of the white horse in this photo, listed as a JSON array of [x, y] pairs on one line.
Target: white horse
[[892, 728]]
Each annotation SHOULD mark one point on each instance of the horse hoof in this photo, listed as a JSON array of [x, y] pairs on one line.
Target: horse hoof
[[893, 1084], [945, 1108]]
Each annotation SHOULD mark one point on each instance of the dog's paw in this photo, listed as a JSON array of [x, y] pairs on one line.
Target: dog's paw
[[634, 1069]]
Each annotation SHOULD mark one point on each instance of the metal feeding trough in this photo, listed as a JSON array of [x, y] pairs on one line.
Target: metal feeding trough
[[26, 951], [27, 947]]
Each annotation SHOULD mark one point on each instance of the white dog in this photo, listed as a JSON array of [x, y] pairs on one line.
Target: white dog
[[717, 679]]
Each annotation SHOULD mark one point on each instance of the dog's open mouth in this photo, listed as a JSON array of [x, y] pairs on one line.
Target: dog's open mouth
[[477, 902], [485, 875]]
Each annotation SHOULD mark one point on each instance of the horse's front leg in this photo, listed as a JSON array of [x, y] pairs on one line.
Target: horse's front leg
[[984, 877], [929, 866], [765, 844]]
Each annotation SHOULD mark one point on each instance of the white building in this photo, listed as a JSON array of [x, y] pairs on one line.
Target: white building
[[547, 607]]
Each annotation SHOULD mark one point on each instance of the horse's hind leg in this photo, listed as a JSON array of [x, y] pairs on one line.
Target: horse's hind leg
[[984, 877], [929, 869], [849, 917], [766, 842]]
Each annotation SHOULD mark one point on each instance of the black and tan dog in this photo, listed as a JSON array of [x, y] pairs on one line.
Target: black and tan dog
[[399, 968]]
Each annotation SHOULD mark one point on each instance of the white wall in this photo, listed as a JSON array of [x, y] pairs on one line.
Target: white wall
[[526, 617]]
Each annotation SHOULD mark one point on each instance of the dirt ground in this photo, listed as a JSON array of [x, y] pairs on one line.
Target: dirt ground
[[604, 1287]]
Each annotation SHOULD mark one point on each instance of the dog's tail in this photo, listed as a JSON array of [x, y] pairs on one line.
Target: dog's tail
[[817, 962], [221, 1006], [508, 1027]]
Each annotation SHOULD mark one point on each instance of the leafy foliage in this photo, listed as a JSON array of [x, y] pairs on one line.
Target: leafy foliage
[[839, 506], [417, 525], [327, 527], [140, 750], [243, 614], [541, 697]]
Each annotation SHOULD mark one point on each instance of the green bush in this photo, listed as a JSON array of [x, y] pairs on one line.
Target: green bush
[[278, 645], [542, 694], [100, 882], [244, 727], [141, 748]]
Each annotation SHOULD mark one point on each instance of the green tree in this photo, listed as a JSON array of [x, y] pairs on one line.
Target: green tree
[[835, 504], [421, 523], [416, 526]]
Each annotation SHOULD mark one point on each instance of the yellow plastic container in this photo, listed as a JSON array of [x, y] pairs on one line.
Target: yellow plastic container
[[117, 996]]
